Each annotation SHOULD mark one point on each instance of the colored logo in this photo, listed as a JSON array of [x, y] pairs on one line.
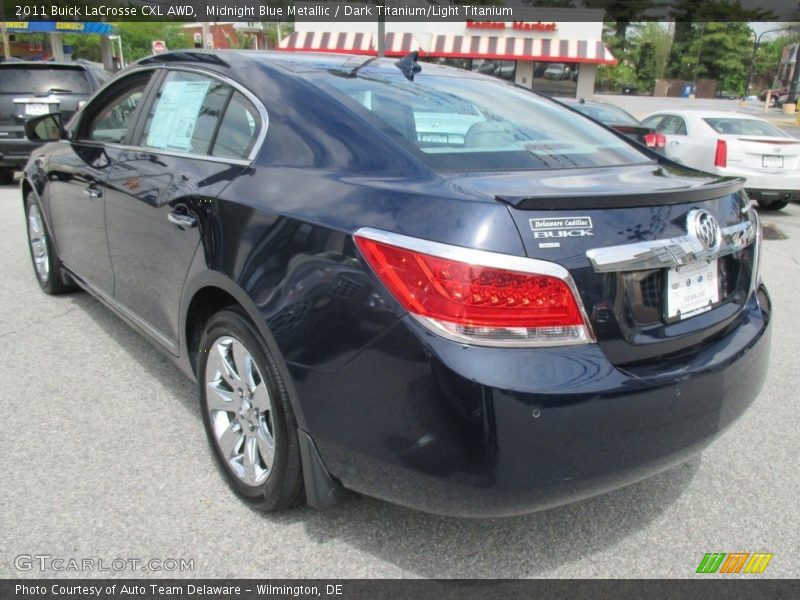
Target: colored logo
[[734, 562]]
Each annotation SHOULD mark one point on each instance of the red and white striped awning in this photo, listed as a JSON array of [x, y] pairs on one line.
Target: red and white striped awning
[[453, 46], [520, 48], [397, 44]]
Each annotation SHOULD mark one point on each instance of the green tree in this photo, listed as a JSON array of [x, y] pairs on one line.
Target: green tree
[[138, 37], [648, 52], [137, 40], [690, 15], [720, 51]]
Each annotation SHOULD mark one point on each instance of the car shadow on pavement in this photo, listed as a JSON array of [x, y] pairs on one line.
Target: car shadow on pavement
[[525, 546], [428, 545]]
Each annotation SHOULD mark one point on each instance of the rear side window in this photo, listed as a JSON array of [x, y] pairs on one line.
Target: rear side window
[[673, 125], [477, 124], [186, 113], [43, 80], [238, 130], [744, 127], [653, 122]]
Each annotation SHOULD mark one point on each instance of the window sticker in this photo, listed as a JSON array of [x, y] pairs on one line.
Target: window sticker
[[176, 115]]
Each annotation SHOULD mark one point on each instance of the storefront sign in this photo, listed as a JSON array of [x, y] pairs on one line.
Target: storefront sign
[[523, 25]]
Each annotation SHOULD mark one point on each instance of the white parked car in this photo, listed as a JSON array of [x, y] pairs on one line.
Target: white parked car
[[729, 143]]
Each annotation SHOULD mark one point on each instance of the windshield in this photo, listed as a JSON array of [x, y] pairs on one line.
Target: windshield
[[606, 114], [479, 124], [42, 80], [744, 127]]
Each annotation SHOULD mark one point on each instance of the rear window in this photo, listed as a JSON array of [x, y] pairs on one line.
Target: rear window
[[606, 114], [43, 80], [476, 124], [744, 127]]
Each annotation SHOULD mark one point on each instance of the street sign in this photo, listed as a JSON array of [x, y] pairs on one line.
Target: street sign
[[159, 47]]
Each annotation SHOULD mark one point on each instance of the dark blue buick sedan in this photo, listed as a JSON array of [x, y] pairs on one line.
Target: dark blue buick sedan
[[404, 280]]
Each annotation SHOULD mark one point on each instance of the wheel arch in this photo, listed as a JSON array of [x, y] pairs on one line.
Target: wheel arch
[[207, 293]]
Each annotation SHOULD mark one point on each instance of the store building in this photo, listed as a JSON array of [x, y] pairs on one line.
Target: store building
[[549, 50]]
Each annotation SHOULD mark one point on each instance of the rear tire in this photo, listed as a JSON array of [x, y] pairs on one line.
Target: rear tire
[[774, 205], [46, 265], [247, 414], [6, 176]]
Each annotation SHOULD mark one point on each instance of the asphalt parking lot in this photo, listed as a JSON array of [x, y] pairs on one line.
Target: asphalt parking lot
[[104, 457]]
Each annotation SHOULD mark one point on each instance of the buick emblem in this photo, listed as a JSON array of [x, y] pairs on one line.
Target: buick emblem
[[702, 226]]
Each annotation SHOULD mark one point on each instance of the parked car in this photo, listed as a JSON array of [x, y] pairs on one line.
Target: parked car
[[535, 313], [621, 120], [34, 88], [739, 145], [774, 94]]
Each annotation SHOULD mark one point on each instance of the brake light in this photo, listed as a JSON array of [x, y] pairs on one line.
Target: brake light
[[721, 154], [475, 296], [655, 140]]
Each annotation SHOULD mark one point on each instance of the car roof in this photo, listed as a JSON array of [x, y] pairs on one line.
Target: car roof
[[293, 62]]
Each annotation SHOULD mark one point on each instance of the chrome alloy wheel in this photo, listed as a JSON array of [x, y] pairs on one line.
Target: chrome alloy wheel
[[38, 241], [240, 410]]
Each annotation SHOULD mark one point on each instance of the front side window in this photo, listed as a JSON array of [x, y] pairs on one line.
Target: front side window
[[479, 124], [186, 112], [112, 120]]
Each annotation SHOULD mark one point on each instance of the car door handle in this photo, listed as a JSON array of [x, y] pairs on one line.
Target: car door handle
[[182, 219], [93, 192]]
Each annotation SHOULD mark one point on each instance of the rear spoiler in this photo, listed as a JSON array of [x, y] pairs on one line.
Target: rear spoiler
[[625, 199]]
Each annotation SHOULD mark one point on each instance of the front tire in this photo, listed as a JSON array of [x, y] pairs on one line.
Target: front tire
[[247, 413], [46, 265]]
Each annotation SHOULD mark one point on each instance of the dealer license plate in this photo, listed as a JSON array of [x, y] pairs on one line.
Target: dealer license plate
[[692, 289], [772, 162], [36, 108]]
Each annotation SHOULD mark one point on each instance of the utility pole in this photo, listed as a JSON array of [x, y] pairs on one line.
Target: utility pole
[[6, 42], [381, 31], [793, 86], [206, 33]]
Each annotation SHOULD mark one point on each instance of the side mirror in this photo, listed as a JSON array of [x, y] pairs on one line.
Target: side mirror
[[44, 128]]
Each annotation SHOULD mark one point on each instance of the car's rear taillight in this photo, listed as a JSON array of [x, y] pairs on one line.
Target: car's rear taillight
[[721, 154], [475, 296], [655, 140]]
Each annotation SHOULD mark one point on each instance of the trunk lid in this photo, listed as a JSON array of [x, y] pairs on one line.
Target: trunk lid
[[773, 154], [563, 215]]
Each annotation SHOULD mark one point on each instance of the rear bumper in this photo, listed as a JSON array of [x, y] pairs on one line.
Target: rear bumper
[[15, 152], [759, 180], [773, 195], [467, 431]]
